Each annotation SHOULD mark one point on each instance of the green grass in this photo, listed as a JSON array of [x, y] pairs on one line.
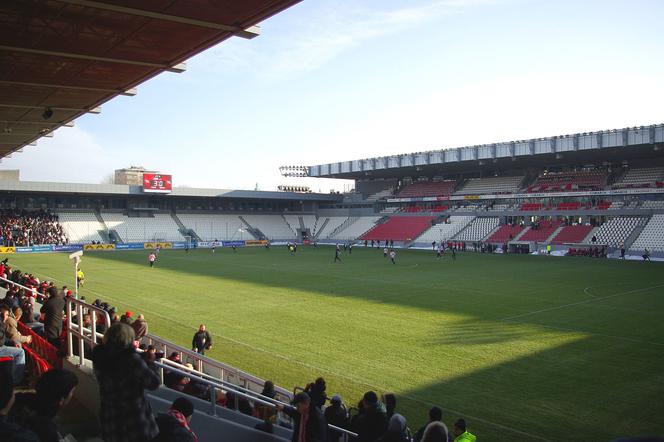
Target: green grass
[[582, 358]]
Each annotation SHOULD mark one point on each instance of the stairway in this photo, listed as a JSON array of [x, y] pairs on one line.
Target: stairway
[[253, 231], [320, 229], [104, 233], [343, 226], [184, 230]]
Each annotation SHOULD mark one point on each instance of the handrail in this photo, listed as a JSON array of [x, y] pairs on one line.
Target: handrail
[[227, 384], [30, 289], [165, 364], [215, 368], [83, 334]]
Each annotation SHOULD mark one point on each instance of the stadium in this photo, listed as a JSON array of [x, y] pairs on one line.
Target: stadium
[[515, 285]]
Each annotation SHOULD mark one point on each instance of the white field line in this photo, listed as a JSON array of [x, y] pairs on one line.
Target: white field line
[[587, 332], [587, 292], [318, 369], [572, 304]]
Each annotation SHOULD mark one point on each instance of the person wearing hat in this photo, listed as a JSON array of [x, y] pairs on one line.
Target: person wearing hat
[[310, 424], [336, 415], [140, 326]]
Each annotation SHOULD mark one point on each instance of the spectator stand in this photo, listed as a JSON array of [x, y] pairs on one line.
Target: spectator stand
[[238, 392], [246, 386], [213, 368]]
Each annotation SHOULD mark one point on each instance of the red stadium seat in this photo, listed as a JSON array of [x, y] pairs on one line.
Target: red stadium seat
[[399, 228]]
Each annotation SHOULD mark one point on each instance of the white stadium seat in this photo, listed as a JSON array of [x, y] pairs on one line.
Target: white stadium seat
[[161, 227], [80, 227], [478, 229], [445, 231], [215, 227], [652, 236]]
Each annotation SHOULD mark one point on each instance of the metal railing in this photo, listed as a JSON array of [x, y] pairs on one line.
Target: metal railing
[[216, 369], [215, 374], [77, 333], [256, 398], [9, 281]]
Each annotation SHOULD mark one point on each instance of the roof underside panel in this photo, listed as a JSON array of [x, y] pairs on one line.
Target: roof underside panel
[[73, 55]]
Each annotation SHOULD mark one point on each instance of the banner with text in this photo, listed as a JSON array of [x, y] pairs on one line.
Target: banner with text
[[99, 247]]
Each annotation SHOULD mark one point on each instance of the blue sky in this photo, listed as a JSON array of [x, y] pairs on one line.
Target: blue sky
[[333, 80]]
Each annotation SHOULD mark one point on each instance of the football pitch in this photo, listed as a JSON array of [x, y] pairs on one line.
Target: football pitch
[[523, 347]]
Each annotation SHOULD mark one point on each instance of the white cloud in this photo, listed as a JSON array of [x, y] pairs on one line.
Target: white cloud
[[331, 29], [72, 155]]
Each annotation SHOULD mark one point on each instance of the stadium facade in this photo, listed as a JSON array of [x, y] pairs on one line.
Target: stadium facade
[[573, 192]]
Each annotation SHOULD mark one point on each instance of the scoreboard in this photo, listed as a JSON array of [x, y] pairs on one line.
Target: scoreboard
[[157, 183]]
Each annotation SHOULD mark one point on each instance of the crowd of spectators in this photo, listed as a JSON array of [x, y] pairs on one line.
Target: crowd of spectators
[[28, 228], [373, 420]]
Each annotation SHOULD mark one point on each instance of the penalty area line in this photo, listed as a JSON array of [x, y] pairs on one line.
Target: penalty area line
[[586, 301]]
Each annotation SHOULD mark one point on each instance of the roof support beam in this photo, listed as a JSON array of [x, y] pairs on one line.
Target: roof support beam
[[12, 133], [39, 123], [179, 68], [248, 33], [96, 110], [129, 93]]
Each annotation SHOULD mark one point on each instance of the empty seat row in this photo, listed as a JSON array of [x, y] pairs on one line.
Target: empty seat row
[[274, 227], [572, 234], [353, 228], [399, 228], [652, 236], [446, 230], [616, 230], [505, 233], [428, 188], [478, 229], [491, 185], [641, 177], [161, 227], [80, 227]]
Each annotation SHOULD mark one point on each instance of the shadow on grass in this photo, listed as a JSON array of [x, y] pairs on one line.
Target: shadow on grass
[[594, 388], [576, 391]]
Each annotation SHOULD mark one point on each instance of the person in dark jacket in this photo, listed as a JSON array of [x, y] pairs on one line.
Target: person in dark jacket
[[202, 340], [316, 392], [390, 401], [397, 430], [10, 430], [336, 415], [53, 311], [38, 410], [122, 375], [371, 425], [140, 327], [174, 424], [435, 415], [310, 424]]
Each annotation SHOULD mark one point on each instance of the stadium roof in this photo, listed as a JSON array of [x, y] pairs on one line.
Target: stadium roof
[[123, 189], [63, 58], [616, 145]]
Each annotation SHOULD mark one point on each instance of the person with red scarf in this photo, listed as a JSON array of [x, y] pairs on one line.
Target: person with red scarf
[[174, 424]]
